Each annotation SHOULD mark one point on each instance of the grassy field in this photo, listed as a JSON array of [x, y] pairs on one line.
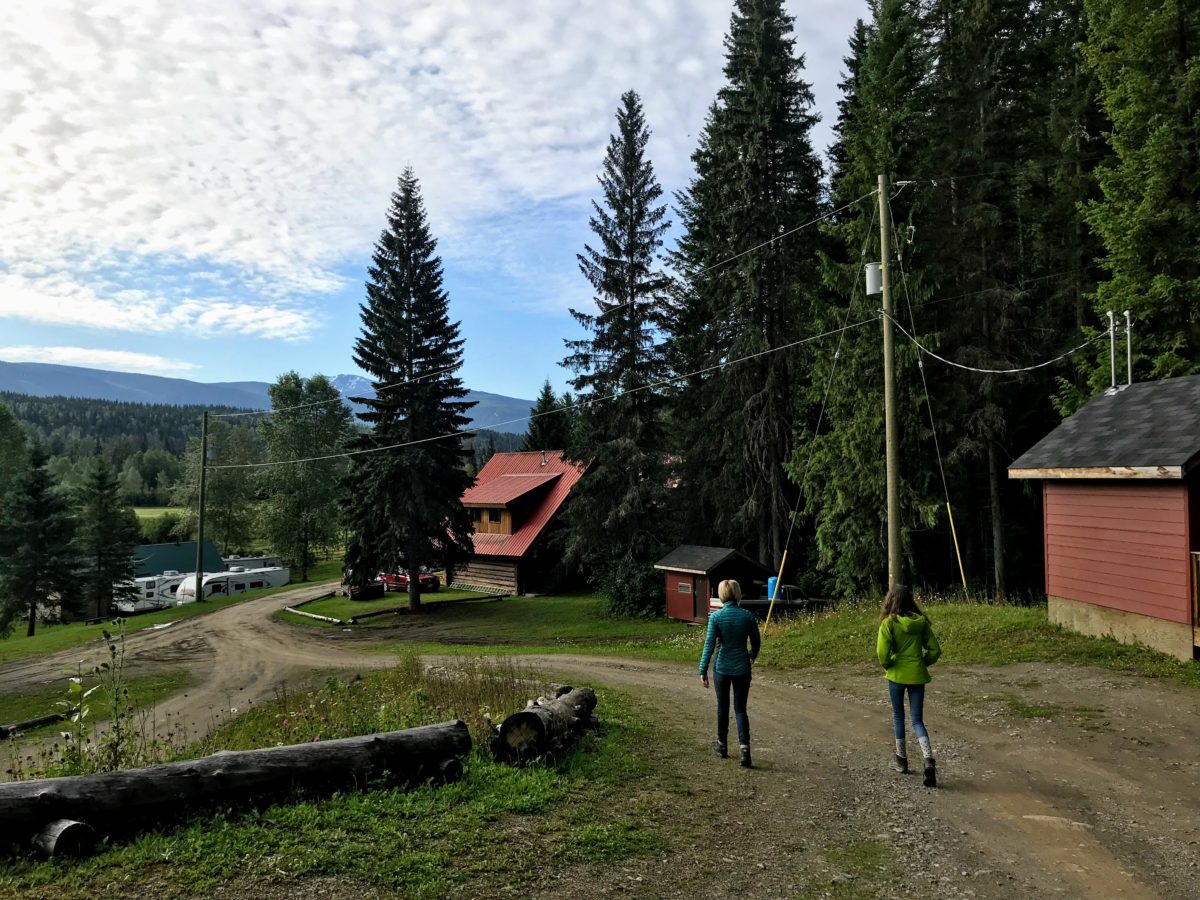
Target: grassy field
[[52, 638], [144, 690], [345, 608], [152, 512], [471, 837]]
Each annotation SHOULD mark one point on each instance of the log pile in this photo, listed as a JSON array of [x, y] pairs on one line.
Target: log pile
[[64, 815], [546, 727]]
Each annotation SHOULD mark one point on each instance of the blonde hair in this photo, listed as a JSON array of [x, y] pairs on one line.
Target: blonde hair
[[729, 590]]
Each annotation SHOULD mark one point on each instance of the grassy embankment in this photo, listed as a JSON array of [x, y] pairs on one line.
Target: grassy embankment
[[53, 638], [144, 691], [477, 836], [344, 608], [971, 634]]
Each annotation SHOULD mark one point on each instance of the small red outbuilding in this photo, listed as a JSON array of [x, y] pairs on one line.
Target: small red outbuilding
[[693, 573], [1121, 509]]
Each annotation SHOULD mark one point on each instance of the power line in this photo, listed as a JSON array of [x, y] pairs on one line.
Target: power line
[[981, 371], [531, 416], [271, 412]]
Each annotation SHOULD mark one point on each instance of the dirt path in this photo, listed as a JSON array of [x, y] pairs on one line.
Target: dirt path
[[1056, 781]]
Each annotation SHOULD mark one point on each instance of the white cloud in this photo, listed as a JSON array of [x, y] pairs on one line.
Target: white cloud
[[258, 142], [117, 360]]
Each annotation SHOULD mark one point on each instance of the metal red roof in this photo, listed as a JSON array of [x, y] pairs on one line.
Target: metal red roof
[[505, 489], [548, 463]]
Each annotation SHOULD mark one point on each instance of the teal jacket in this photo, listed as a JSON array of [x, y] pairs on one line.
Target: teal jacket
[[731, 627], [906, 647]]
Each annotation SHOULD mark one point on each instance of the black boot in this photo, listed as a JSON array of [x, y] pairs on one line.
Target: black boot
[[746, 763], [930, 772], [721, 750], [902, 764]]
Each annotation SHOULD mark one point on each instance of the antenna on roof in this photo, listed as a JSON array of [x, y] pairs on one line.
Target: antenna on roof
[[1112, 350], [1128, 349]]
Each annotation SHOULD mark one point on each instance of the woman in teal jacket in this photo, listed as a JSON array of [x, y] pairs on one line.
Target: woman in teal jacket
[[906, 647], [732, 628]]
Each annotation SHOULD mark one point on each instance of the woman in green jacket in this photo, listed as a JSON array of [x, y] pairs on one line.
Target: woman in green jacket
[[906, 647]]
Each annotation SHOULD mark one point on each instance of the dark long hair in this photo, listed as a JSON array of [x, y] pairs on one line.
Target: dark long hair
[[899, 602]]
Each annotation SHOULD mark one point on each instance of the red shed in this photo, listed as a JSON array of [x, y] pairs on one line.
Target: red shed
[[693, 573], [1121, 501]]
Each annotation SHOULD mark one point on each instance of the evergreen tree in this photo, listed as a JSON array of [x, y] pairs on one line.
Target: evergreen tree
[[616, 518], [37, 557], [12, 451], [745, 291], [106, 534], [300, 514], [1146, 56], [230, 495], [550, 423], [404, 505]]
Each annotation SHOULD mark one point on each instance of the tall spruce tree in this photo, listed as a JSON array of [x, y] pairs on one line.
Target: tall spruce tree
[[616, 518], [12, 450], [300, 515], [880, 129], [743, 291], [106, 534], [404, 505], [38, 562], [550, 423], [1146, 56]]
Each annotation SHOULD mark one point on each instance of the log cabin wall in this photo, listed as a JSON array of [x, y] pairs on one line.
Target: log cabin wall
[[489, 572], [1122, 546]]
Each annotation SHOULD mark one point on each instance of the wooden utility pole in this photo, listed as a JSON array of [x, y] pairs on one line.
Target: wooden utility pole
[[200, 517], [891, 432]]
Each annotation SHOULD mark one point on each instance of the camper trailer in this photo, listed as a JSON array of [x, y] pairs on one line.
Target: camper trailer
[[153, 592], [238, 580]]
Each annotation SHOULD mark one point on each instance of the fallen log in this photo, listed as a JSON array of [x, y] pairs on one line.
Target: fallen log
[[7, 732], [546, 726], [115, 803]]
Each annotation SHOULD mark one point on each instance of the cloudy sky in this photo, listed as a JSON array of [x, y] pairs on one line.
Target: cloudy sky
[[194, 189]]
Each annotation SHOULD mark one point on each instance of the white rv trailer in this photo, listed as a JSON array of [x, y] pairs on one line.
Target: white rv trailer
[[238, 580], [153, 592], [252, 562]]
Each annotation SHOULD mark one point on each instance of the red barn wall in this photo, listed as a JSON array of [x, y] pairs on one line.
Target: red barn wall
[[1119, 545]]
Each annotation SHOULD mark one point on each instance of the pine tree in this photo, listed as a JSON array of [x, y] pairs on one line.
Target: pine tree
[[549, 424], [12, 451], [37, 557], [616, 516], [300, 514], [1147, 59], [745, 291], [106, 534], [404, 505]]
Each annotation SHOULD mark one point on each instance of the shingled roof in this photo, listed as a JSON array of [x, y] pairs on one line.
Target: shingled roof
[[1147, 430], [700, 560]]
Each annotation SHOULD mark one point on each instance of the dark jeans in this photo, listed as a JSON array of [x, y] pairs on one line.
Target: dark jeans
[[741, 691], [916, 707]]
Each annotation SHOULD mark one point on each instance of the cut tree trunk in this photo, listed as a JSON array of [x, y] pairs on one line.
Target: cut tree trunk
[[546, 726], [129, 801]]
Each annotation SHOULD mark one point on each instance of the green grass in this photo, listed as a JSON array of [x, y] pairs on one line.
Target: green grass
[[153, 512], [471, 837], [53, 638], [344, 608], [144, 691]]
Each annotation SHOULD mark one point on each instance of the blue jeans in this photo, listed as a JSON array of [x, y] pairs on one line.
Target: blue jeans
[[741, 692], [916, 708]]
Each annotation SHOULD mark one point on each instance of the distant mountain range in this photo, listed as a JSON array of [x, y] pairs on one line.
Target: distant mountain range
[[43, 380]]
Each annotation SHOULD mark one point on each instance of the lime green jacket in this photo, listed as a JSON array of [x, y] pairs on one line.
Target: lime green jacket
[[906, 647]]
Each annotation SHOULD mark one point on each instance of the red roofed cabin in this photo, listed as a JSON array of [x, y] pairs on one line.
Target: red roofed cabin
[[1121, 501], [513, 503]]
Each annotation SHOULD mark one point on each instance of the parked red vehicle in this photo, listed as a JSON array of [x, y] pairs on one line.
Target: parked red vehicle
[[398, 581]]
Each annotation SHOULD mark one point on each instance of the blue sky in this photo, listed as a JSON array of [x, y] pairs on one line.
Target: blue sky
[[194, 189]]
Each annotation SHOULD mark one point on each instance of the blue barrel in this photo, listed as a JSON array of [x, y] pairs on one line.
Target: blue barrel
[[771, 586]]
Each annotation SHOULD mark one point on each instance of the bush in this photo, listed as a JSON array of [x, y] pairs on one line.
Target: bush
[[163, 529], [632, 588]]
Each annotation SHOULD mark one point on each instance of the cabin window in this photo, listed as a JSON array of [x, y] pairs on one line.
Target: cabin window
[[477, 514], [494, 516], [684, 588], [255, 584]]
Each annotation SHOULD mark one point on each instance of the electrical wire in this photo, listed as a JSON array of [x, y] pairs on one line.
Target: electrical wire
[[271, 412], [531, 416]]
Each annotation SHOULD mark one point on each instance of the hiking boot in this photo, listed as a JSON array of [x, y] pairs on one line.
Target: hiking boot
[[901, 764], [746, 763], [721, 750], [930, 773]]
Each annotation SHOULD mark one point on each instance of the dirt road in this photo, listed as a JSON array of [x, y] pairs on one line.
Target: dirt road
[[1056, 781]]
